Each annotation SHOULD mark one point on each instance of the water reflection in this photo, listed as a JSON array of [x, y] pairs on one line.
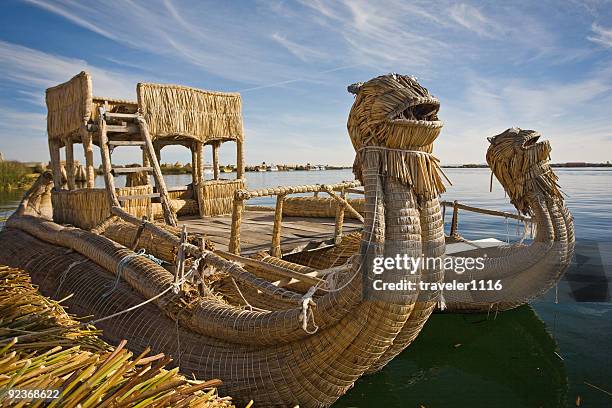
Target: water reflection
[[508, 360], [9, 200]]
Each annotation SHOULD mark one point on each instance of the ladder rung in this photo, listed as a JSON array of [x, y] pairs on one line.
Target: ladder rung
[[137, 197], [126, 142], [130, 128], [111, 115], [120, 170]]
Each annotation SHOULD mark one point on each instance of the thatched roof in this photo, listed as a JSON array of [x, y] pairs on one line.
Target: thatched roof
[[178, 112], [172, 112], [69, 106]]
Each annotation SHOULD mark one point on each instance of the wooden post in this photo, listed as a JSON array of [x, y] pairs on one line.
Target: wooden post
[[455, 221], [109, 181], [169, 215], [194, 164], [200, 161], [157, 150], [179, 273], [54, 154], [90, 171], [339, 219], [275, 250], [215, 159], [70, 170], [239, 159], [342, 201], [238, 208]]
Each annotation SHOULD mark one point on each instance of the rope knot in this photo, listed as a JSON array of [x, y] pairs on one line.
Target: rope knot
[[307, 302]]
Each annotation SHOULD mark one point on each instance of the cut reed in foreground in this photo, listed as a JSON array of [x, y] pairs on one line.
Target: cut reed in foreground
[[53, 352]]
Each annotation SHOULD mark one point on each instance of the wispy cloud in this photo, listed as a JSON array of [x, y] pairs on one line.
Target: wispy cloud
[[492, 65], [223, 46], [568, 113], [301, 51], [21, 131], [602, 36], [34, 71], [471, 18]]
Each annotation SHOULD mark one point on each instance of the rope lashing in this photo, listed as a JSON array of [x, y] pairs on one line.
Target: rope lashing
[[154, 259], [435, 160], [306, 311], [441, 301], [120, 266], [65, 273]]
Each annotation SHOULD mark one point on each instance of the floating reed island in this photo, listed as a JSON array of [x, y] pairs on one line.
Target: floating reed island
[[276, 302]]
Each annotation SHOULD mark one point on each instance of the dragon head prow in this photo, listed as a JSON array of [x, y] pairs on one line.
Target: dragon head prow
[[521, 163], [397, 116]]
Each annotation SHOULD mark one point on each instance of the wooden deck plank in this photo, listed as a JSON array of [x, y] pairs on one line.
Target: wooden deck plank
[[256, 231]]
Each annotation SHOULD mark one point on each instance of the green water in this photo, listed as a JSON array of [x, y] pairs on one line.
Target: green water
[[541, 355], [506, 360]]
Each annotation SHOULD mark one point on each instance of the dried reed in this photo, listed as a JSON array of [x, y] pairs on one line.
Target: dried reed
[[69, 107], [173, 111], [398, 117], [215, 197], [54, 352], [522, 166], [318, 207]]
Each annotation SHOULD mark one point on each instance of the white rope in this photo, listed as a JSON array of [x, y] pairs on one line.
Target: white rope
[[397, 150], [306, 311], [169, 288], [131, 308], [441, 301], [120, 266], [65, 273], [435, 160]]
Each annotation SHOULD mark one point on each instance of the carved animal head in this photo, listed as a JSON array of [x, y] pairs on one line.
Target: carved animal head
[[398, 117], [393, 111], [520, 161]]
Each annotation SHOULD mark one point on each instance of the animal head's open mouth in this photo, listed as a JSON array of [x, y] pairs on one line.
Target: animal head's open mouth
[[531, 141], [416, 110]]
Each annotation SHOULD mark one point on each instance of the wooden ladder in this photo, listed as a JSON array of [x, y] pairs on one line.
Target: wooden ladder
[[130, 129]]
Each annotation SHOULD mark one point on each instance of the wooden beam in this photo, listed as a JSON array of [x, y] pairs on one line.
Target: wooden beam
[[215, 159], [200, 161], [339, 222], [109, 180], [343, 202], [275, 249], [124, 170], [90, 171], [54, 154], [237, 210], [276, 270], [169, 215], [239, 159], [485, 211], [70, 170], [213, 259], [194, 164]]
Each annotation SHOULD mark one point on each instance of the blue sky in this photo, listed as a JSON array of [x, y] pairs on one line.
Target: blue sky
[[543, 65]]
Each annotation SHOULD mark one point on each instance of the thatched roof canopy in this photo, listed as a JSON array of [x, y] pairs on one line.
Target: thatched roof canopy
[[178, 112], [69, 106], [173, 113]]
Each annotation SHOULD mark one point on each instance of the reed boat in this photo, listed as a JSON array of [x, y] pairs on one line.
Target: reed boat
[[278, 303]]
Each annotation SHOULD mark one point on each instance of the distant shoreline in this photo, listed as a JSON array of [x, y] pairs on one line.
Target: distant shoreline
[[566, 165]]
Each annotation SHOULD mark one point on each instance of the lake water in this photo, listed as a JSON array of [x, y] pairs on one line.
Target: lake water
[[554, 353]]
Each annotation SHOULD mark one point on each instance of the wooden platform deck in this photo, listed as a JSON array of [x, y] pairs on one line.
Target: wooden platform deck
[[256, 231]]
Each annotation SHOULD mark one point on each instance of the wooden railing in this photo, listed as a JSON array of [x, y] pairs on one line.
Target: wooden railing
[[241, 196], [344, 188], [456, 206]]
